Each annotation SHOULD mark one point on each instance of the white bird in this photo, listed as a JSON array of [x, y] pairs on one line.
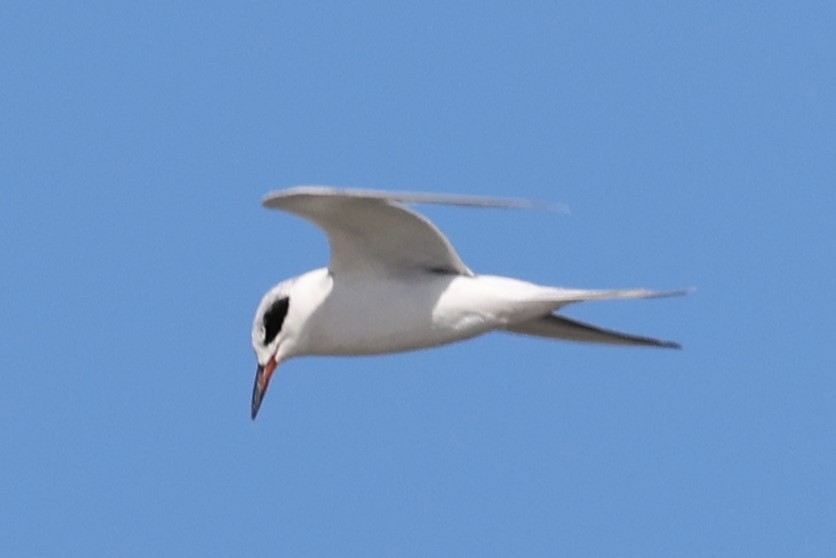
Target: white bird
[[395, 283]]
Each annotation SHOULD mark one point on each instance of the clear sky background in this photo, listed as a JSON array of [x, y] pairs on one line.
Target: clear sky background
[[695, 143]]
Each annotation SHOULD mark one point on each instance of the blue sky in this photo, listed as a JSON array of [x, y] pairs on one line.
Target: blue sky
[[695, 144]]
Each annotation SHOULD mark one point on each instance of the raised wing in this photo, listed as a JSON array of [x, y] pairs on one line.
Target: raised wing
[[370, 232]]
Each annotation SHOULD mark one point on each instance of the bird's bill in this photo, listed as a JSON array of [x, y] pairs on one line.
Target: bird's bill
[[262, 380]]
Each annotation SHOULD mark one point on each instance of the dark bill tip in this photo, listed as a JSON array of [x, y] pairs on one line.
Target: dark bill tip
[[258, 392], [262, 380]]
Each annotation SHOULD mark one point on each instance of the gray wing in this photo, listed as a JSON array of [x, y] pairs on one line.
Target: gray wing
[[560, 327], [370, 232]]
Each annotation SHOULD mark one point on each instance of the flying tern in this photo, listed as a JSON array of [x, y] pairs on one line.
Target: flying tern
[[395, 283]]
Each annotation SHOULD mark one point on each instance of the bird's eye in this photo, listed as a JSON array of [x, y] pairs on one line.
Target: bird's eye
[[274, 318]]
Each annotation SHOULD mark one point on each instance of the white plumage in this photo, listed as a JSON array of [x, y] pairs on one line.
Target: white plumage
[[395, 283]]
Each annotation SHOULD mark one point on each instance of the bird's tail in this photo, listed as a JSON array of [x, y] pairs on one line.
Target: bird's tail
[[559, 327], [562, 297]]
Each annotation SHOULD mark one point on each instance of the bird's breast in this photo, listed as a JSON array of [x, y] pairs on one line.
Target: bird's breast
[[372, 315]]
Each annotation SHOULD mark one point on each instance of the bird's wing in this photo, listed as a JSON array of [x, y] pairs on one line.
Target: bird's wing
[[561, 327], [370, 232]]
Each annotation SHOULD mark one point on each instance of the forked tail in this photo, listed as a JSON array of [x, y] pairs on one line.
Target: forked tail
[[560, 327], [562, 297]]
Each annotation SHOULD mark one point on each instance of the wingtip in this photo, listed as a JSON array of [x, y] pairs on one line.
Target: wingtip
[[671, 293], [271, 199], [562, 208]]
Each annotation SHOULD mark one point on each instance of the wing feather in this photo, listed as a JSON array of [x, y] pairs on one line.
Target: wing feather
[[561, 327], [370, 232]]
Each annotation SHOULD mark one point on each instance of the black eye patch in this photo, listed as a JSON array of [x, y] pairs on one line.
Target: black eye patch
[[274, 318]]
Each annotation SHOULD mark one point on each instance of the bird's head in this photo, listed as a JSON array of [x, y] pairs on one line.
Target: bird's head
[[267, 338]]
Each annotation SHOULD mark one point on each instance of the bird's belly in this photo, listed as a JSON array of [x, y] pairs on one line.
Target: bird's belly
[[390, 316], [375, 315]]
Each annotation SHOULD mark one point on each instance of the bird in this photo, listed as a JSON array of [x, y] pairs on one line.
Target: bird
[[395, 283]]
